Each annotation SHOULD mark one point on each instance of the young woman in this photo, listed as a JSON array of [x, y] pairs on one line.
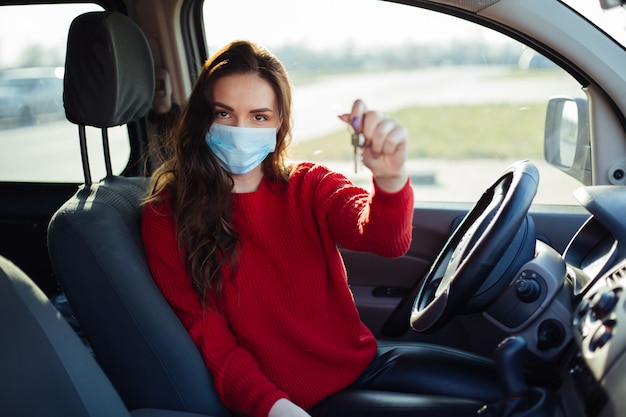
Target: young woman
[[244, 245]]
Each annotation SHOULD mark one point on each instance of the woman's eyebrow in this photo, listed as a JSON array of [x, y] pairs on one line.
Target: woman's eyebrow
[[260, 110], [222, 105]]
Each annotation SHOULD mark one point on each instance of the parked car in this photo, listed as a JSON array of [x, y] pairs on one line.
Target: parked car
[[30, 94], [518, 168]]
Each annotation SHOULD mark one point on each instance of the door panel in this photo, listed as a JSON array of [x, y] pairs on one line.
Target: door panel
[[25, 212], [378, 284]]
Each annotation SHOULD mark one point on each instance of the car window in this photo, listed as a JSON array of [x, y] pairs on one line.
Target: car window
[[473, 100], [37, 143]]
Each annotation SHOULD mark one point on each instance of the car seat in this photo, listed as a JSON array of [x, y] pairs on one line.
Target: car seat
[[94, 239], [45, 369]]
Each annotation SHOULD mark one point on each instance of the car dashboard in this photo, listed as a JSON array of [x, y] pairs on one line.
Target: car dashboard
[[594, 379]]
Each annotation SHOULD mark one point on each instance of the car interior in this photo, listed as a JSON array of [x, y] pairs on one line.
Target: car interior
[[543, 308]]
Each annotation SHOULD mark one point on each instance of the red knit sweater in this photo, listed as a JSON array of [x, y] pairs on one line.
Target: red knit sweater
[[287, 325]]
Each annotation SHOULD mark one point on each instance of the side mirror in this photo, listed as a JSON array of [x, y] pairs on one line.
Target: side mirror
[[567, 143]]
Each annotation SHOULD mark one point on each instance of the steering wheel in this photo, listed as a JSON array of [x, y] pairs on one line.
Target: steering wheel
[[491, 243]]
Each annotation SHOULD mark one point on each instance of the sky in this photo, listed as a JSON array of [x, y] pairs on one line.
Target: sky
[[321, 24], [15, 34], [318, 24]]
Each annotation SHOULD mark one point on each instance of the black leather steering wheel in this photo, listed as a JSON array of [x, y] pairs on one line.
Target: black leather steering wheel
[[491, 243]]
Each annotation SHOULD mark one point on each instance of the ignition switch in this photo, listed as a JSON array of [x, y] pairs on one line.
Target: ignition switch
[[550, 334]]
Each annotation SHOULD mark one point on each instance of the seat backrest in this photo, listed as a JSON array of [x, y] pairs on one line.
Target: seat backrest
[[94, 239], [45, 369]]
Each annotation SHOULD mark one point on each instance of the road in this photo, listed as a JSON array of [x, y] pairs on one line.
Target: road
[[50, 150], [316, 106]]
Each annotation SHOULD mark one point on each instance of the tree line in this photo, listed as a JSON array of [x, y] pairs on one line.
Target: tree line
[[302, 59]]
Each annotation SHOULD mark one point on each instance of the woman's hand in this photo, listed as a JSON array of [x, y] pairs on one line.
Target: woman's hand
[[285, 408], [384, 150]]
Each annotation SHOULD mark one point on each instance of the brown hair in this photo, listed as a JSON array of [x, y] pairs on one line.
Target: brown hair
[[200, 190]]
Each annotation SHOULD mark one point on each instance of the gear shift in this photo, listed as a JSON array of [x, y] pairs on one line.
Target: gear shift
[[509, 357], [519, 400]]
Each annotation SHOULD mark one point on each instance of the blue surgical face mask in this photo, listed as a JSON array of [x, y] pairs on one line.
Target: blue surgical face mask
[[240, 149]]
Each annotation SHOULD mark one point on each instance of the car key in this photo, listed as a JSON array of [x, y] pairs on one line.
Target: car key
[[358, 140]]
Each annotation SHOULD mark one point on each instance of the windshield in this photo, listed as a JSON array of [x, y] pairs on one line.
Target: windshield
[[612, 20]]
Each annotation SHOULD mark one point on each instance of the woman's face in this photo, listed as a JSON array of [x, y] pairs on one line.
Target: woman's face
[[245, 100]]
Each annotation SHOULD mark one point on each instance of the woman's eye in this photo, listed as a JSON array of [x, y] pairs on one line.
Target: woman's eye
[[260, 117], [221, 114]]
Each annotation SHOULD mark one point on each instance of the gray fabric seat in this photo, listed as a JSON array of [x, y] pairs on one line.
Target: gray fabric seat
[[45, 369], [94, 239]]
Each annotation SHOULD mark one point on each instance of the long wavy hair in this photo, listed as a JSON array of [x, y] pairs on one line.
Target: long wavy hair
[[199, 188]]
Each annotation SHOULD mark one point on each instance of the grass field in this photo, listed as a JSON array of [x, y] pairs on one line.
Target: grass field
[[451, 132]]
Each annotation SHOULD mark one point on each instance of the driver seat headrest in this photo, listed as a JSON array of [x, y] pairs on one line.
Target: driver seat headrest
[[109, 71]]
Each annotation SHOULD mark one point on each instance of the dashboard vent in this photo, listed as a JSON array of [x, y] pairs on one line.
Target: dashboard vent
[[617, 275]]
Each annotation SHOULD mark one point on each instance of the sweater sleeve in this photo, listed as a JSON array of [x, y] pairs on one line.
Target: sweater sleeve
[[238, 381], [377, 222]]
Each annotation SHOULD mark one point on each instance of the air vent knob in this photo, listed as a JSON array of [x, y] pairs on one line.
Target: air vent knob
[[602, 304]]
